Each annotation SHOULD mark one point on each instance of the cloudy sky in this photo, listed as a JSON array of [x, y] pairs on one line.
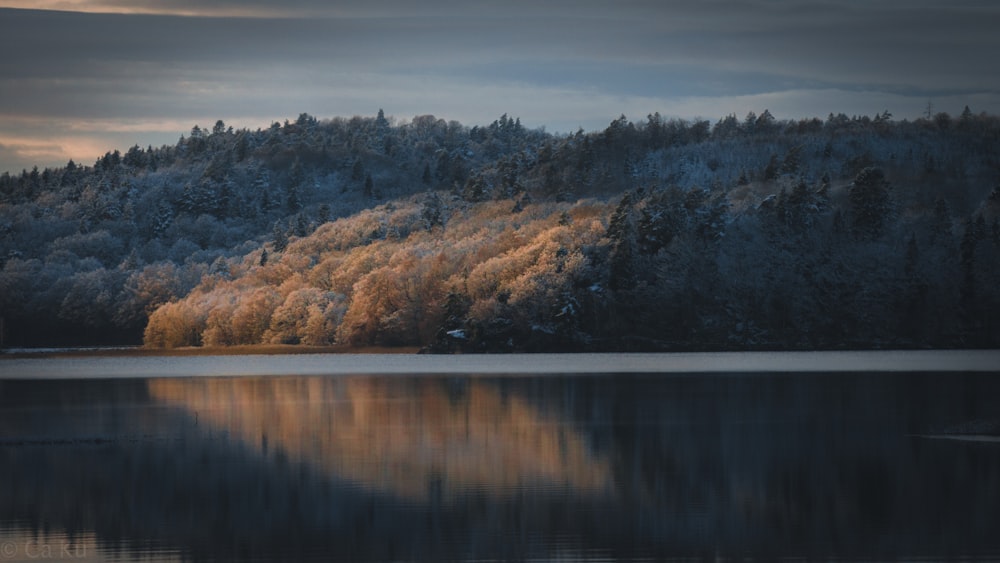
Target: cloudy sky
[[81, 77]]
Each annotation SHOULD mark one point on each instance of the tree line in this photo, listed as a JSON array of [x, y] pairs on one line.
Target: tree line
[[747, 233]]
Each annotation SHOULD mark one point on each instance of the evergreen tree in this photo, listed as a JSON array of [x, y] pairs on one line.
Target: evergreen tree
[[662, 217], [242, 148], [323, 213], [163, 219], [475, 189], [262, 191], [432, 212], [189, 201], [296, 177], [621, 232], [267, 202], [799, 207], [369, 187], [870, 203], [792, 161], [771, 170], [279, 237], [223, 199], [301, 225], [293, 202]]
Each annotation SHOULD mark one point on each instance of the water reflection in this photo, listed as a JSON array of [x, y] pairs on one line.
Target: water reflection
[[408, 437], [451, 468]]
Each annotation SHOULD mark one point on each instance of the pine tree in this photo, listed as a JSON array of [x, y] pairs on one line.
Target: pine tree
[[301, 225], [793, 160], [369, 187], [293, 202], [621, 231], [870, 203], [475, 189], [771, 170], [799, 204], [223, 199], [262, 191], [189, 200], [267, 202], [518, 207], [163, 219], [323, 214], [432, 213], [242, 148], [279, 237], [750, 123]]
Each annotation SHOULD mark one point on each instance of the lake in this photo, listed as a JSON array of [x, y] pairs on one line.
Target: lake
[[649, 457]]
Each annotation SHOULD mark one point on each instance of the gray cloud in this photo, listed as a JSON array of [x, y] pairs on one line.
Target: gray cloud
[[522, 57], [874, 42]]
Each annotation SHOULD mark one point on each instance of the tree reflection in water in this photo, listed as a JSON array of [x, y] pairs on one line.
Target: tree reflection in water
[[432, 468]]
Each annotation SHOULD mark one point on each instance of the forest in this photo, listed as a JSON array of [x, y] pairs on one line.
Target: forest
[[656, 234]]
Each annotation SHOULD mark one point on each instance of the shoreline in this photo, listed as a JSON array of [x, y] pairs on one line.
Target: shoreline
[[374, 363], [139, 351]]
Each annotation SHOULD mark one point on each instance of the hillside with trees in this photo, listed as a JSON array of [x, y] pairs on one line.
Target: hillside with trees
[[658, 234]]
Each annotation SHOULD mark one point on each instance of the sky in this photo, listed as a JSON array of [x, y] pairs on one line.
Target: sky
[[79, 78]]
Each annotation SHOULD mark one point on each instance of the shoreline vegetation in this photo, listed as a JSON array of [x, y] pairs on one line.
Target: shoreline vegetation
[[239, 350], [653, 235]]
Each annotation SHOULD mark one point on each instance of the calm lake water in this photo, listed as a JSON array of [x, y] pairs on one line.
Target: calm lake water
[[560, 464]]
